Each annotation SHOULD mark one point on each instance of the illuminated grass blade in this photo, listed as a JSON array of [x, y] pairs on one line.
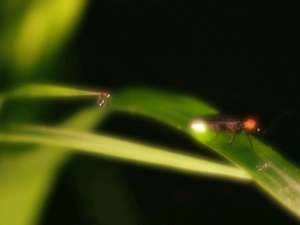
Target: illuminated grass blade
[[269, 170], [109, 147], [47, 91]]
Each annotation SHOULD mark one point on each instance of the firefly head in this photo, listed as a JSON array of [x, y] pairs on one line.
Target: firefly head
[[251, 125]]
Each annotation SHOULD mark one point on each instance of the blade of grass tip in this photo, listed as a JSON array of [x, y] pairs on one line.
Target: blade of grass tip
[[114, 148], [270, 171], [48, 91]]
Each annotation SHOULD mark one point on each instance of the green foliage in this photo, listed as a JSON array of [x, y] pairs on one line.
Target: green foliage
[[32, 32], [267, 168]]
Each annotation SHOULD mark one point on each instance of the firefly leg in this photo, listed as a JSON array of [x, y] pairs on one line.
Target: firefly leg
[[233, 138], [249, 139]]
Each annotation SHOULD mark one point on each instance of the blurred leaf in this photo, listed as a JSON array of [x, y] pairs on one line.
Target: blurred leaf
[[38, 32], [270, 171]]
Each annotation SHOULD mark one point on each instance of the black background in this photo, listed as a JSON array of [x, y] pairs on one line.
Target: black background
[[241, 57]]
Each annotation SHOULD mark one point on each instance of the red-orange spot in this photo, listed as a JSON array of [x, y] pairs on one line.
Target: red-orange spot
[[250, 124]]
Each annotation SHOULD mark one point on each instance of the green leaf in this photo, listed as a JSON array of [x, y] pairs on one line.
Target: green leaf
[[114, 148], [47, 91], [173, 109], [270, 171], [38, 31]]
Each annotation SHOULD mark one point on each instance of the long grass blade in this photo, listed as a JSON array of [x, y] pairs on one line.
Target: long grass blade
[[47, 91], [113, 148]]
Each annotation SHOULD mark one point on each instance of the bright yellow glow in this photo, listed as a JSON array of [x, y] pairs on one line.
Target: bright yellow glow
[[199, 126]]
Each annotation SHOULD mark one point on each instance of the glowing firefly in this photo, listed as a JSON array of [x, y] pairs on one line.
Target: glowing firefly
[[226, 123], [199, 126]]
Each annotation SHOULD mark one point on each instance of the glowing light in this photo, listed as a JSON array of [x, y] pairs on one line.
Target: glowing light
[[198, 126], [250, 124]]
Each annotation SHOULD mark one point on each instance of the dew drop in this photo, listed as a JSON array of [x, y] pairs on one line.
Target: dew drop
[[103, 99]]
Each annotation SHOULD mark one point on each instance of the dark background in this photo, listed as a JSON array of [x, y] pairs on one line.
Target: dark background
[[242, 58]]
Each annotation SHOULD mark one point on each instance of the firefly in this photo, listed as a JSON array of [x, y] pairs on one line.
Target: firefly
[[227, 123]]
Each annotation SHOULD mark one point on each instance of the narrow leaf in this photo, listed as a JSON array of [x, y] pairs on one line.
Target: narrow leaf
[[109, 147], [47, 91]]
